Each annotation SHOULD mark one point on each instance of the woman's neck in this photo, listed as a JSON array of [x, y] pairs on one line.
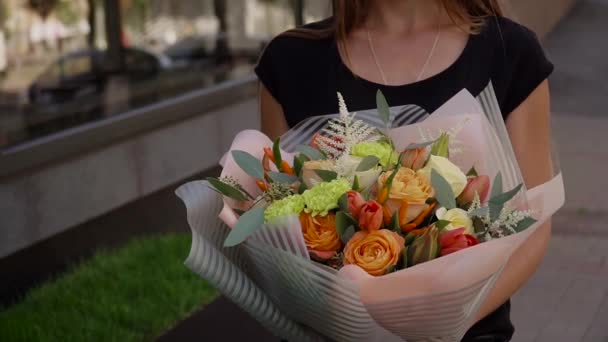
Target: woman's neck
[[403, 16]]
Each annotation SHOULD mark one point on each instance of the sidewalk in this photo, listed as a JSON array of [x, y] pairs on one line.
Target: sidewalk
[[567, 300]]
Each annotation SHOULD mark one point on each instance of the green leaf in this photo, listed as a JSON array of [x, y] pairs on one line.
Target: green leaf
[[298, 163], [226, 189], [478, 225], [472, 172], [496, 186], [507, 196], [441, 224], [348, 234], [409, 238], [443, 191], [479, 212], [356, 185], [276, 151], [395, 223], [368, 163], [326, 176], [441, 147], [302, 188], [343, 202], [250, 164], [383, 109], [343, 221], [404, 257], [282, 177], [247, 225], [311, 153], [420, 145], [525, 224]]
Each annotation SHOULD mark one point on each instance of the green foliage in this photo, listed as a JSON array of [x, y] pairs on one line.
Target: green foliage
[[247, 225], [134, 293], [443, 190]]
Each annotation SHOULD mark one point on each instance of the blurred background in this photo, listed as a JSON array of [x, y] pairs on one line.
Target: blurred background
[[106, 106]]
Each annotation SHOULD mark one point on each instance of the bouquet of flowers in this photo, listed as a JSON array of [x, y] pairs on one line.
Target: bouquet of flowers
[[363, 231]]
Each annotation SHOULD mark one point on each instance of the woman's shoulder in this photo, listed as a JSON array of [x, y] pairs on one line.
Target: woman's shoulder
[[511, 37], [308, 40]]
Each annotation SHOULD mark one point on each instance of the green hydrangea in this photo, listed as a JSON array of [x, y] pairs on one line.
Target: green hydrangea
[[324, 197], [292, 205], [382, 150]]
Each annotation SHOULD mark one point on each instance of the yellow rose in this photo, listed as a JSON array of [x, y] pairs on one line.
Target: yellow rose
[[310, 177], [458, 219], [375, 252], [452, 173], [410, 187], [320, 234]]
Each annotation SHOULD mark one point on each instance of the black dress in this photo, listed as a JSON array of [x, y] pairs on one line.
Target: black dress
[[303, 75]]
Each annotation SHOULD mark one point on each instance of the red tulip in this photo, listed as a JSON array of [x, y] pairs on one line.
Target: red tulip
[[355, 203], [370, 217], [456, 240], [479, 184]]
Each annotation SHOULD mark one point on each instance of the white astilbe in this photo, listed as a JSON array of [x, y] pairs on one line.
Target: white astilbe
[[456, 145], [343, 133], [505, 225]]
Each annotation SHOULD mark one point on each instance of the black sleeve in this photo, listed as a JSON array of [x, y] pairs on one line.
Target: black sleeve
[[267, 69], [526, 65]]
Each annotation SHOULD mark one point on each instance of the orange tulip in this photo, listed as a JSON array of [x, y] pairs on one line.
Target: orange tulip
[[455, 240], [355, 203], [371, 216]]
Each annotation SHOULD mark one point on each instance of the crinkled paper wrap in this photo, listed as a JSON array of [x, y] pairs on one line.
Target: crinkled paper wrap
[[272, 277]]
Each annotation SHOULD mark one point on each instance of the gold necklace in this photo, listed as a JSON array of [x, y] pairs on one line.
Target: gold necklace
[[424, 67]]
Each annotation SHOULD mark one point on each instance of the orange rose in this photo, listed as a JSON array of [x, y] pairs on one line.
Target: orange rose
[[375, 252], [320, 235]]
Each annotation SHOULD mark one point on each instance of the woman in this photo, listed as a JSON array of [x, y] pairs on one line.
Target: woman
[[421, 52]]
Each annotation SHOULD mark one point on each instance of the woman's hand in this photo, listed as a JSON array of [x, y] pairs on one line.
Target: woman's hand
[[530, 132], [271, 113]]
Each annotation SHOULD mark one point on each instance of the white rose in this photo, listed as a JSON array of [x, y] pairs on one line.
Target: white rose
[[452, 173], [458, 219], [347, 166], [310, 176]]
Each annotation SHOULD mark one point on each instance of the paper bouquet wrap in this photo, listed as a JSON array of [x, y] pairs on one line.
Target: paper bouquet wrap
[[272, 277]]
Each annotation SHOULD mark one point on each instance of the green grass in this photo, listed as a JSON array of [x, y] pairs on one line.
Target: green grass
[[134, 293]]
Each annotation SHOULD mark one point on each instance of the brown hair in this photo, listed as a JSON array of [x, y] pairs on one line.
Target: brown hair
[[351, 14]]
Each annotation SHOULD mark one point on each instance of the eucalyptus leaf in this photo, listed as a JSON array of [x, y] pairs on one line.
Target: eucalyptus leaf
[[311, 153], [502, 199], [479, 226], [495, 209], [497, 186], [443, 191], [282, 177], [420, 145], [348, 234], [226, 189], [343, 202], [368, 163], [480, 212], [383, 109], [276, 151], [327, 176], [525, 224], [343, 221], [441, 224], [472, 172], [247, 225], [248, 163]]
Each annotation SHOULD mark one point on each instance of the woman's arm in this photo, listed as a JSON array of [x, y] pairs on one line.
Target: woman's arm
[[271, 113], [529, 129]]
